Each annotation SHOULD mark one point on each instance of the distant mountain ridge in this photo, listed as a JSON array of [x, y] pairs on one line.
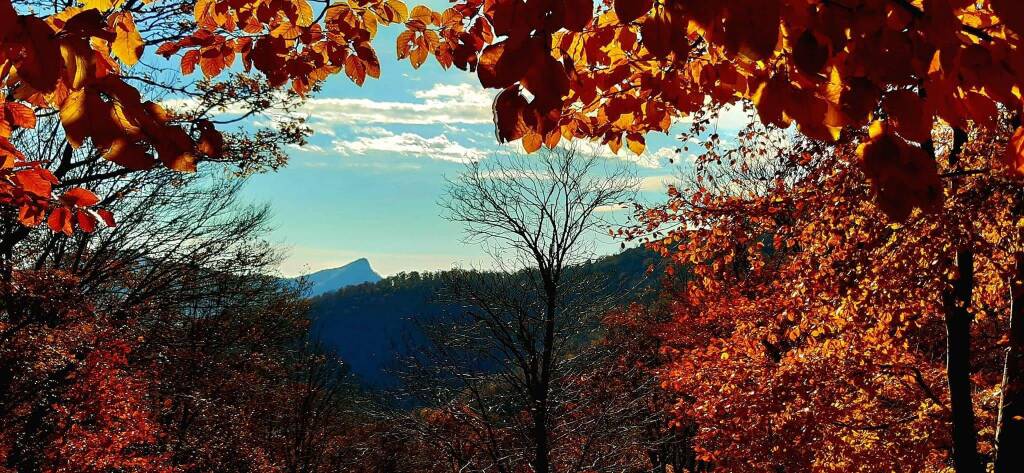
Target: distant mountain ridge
[[333, 279]]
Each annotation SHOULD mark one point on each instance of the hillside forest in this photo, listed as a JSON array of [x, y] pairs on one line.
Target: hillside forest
[[837, 287]]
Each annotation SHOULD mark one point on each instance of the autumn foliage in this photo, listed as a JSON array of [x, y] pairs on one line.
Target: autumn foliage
[[808, 315], [846, 290], [611, 71]]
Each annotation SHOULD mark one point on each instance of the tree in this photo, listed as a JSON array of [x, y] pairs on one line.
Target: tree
[[506, 366], [165, 334], [810, 331]]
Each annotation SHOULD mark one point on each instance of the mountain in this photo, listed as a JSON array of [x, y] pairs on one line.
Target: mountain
[[372, 325], [330, 280]]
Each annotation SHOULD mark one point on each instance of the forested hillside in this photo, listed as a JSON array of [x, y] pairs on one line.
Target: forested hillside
[[372, 326]]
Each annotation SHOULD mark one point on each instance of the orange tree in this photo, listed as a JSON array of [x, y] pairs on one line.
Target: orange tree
[[810, 332]]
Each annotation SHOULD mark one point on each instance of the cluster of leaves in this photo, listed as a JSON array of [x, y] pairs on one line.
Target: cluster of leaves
[[637, 65], [75, 62], [806, 315], [72, 62], [282, 39], [70, 398]]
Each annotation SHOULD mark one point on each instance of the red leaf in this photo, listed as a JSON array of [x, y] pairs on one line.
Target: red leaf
[[40, 64], [910, 115], [508, 106], [85, 221], [629, 10], [33, 182], [31, 215], [1011, 12], [504, 63], [60, 220], [129, 155], [79, 197], [575, 14], [211, 142], [107, 216], [19, 115]]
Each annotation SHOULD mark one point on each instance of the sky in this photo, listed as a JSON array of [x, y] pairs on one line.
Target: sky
[[368, 182]]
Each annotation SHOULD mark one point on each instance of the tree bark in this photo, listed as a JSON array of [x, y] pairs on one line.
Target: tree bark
[[958, 319], [1010, 426]]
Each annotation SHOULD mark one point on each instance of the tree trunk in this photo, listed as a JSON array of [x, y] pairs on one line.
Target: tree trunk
[[958, 365], [541, 455], [540, 438], [1010, 426]]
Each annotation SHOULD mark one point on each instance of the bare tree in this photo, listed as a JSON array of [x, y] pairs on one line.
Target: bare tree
[[510, 350]]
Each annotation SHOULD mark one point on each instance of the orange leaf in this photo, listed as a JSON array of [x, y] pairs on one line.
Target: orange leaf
[[85, 221], [189, 61], [636, 143], [355, 69], [532, 141]]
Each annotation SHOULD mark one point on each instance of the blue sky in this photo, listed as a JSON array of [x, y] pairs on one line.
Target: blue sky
[[368, 183]]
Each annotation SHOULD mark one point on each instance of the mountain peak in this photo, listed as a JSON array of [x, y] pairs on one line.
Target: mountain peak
[[332, 279]]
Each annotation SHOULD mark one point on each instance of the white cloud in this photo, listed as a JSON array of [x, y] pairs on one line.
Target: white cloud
[[372, 131], [444, 104], [610, 208], [464, 92], [513, 174], [657, 183], [410, 144], [308, 147], [649, 160], [321, 129]]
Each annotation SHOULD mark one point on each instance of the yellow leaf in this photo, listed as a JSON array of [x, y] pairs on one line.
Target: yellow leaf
[[636, 143], [128, 44], [101, 5], [305, 13]]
